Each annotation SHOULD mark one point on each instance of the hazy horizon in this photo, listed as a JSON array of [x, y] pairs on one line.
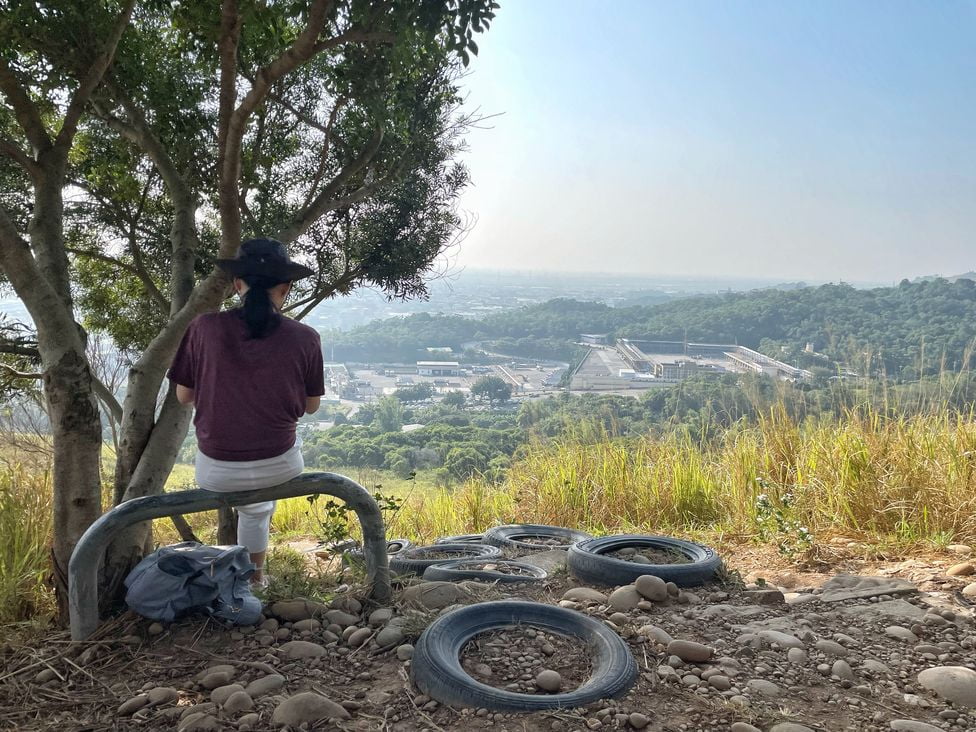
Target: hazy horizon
[[784, 140]]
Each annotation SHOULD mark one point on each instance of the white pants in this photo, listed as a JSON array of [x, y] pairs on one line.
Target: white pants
[[254, 519]]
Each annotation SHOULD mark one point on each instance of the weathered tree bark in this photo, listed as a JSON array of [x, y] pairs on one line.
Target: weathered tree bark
[[226, 526], [39, 275]]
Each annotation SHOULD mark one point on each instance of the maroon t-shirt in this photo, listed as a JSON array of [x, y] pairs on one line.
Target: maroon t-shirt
[[248, 392]]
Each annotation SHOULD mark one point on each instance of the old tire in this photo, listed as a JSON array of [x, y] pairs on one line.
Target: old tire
[[462, 539], [586, 561], [515, 536], [416, 559], [436, 666], [458, 571], [395, 546]]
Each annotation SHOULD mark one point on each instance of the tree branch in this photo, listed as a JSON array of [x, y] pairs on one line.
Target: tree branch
[[326, 201], [43, 303], [12, 150], [92, 78], [20, 374], [106, 397], [137, 131], [16, 349], [326, 147], [27, 113], [228, 165], [151, 288]]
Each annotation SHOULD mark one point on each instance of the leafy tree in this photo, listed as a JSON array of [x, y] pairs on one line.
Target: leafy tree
[[415, 392], [389, 414], [329, 124], [492, 389], [464, 462], [454, 399]]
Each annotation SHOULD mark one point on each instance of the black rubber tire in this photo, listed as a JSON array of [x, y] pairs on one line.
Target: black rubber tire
[[510, 535], [395, 546], [456, 571], [412, 561], [462, 539], [586, 561], [436, 666]]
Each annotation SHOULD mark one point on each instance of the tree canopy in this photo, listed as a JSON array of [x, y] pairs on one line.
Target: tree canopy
[[140, 141]]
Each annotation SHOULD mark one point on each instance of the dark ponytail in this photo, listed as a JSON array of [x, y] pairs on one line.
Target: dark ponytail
[[259, 313]]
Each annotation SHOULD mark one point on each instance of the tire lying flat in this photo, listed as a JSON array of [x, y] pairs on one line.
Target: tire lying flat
[[587, 561], [515, 536], [416, 559], [459, 570], [462, 539], [436, 666], [393, 546]]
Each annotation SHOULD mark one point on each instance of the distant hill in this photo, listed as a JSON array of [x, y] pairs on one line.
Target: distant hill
[[971, 275], [904, 331]]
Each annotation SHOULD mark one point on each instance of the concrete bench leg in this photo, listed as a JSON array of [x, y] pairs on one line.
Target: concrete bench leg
[[90, 550]]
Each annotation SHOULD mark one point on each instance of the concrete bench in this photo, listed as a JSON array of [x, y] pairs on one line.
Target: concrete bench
[[90, 550]]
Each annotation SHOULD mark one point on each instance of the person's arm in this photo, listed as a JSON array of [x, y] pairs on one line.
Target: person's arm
[[182, 368], [184, 394], [314, 378]]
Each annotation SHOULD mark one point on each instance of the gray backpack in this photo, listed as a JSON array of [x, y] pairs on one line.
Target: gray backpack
[[187, 577]]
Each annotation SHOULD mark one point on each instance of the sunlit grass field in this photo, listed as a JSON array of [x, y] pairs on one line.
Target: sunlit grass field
[[896, 482]]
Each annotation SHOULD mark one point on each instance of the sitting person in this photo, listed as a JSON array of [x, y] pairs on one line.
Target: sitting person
[[251, 373]]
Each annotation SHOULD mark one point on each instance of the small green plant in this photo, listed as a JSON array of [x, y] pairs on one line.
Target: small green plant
[[730, 578], [333, 520], [291, 575], [777, 523]]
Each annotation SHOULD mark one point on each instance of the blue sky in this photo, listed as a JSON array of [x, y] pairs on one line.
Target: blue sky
[[820, 140]]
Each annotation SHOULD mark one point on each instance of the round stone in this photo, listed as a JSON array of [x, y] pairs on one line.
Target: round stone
[[796, 656], [624, 598], [652, 588], [955, 683], [690, 651], [223, 693], [638, 720], [910, 725], [549, 680], [239, 701]]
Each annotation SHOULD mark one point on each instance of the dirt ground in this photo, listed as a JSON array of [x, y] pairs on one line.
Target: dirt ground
[[855, 664]]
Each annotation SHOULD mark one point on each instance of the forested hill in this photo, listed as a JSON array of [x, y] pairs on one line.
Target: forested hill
[[889, 328]]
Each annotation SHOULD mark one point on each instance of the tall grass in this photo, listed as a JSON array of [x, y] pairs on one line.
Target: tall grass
[[902, 479], [25, 531], [893, 480]]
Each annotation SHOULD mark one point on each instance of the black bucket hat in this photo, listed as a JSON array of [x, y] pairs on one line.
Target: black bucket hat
[[265, 257]]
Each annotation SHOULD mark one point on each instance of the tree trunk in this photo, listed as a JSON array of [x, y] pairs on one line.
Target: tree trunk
[[148, 478], [226, 526], [77, 436]]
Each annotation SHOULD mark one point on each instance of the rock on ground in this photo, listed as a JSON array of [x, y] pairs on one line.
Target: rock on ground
[[265, 685], [651, 587], [307, 707], [302, 649], [585, 594], [434, 595], [955, 683], [294, 610], [853, 587], [624, 598]]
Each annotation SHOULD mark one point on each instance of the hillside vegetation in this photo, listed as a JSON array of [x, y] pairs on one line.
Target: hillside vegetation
[[906, 331], [887, 481]]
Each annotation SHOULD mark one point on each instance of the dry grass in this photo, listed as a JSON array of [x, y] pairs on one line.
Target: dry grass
[[898, 482], [902, 480], [25, 530]]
